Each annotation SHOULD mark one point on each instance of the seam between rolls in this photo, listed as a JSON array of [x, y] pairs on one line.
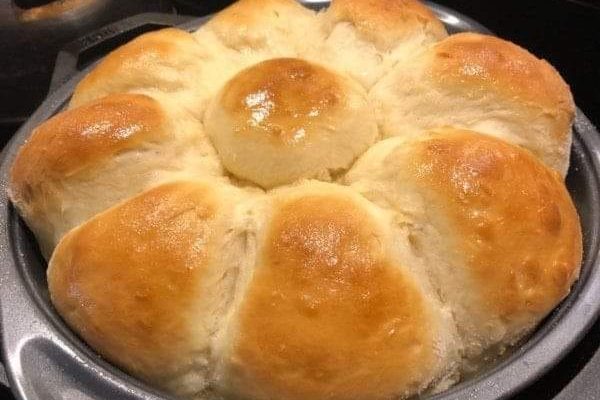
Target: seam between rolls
[[221, 338]]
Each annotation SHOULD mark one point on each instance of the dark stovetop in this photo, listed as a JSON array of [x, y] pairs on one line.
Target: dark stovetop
[[566, 33]]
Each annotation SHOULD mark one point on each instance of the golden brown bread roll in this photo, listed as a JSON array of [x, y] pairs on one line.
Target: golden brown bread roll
[[86, 159], [331, 312], [156, 61], [483, 83], [367, 37], [171, 256], [321, 305], [199, 251], [286, 119], [497, 230]]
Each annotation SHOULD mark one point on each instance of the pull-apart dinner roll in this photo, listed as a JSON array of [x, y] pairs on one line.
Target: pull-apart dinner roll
[[263, 29], [146, 282], [86, 159], [367, 37], [319, 305], [168, 62], [483, 83], [286, 119], [496, 228]]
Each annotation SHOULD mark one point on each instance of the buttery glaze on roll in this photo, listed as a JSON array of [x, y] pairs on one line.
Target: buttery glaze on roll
[[286, 119], [482, 83], [498, 230], [86, 159], [171, 255], [331, 311]]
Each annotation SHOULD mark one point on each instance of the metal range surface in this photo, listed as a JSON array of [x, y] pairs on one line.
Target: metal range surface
[[45, 360]]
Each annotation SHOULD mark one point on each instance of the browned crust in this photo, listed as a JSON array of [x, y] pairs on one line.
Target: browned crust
[[131, 66], [280, 97], [126, 280], [327, 314], [478, 63], [75, 139], [515, 223], [388, 22]]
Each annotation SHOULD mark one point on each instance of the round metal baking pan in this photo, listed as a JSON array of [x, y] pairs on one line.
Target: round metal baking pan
[[45, 360]]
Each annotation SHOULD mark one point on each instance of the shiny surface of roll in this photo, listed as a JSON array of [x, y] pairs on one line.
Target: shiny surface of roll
[[286, 119], [498, 229], [100, 129], [330, 313], [86, 159], [144, 283], [482, 83]]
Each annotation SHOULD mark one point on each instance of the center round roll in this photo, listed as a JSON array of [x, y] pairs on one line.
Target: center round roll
[[286, 119]]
